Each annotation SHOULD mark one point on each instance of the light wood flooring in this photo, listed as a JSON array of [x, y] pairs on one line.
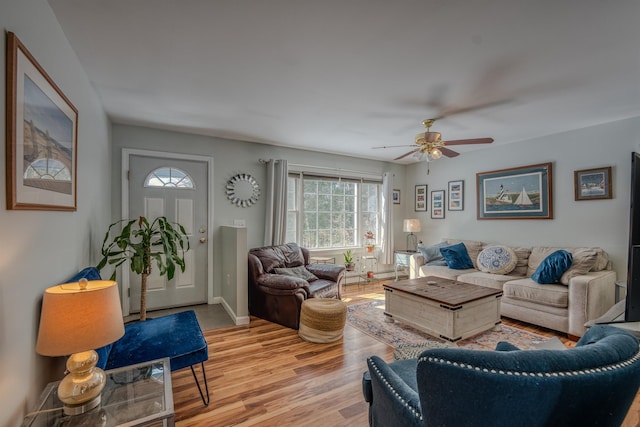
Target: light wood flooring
[[263, 374]]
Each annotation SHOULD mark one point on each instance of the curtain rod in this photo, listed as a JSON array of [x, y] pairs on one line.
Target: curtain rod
[[323, 167]]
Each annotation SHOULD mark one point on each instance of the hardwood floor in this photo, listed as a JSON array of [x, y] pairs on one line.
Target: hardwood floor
[[263, 374]]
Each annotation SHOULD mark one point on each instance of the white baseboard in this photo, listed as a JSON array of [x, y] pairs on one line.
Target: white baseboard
[[237, 320]]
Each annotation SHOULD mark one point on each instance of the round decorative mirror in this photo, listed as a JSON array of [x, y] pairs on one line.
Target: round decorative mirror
[[242, 190]]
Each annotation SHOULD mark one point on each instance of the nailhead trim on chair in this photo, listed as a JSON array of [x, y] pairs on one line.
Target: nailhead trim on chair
[[416, 413], [618, 365]]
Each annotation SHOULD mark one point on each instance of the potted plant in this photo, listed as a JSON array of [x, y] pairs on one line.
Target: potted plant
[[369, 241], [157, 241], [348, 260]]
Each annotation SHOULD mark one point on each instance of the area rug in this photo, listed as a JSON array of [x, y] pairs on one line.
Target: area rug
[[369, 318]]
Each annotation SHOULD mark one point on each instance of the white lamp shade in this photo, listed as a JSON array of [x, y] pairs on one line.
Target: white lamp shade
[[74, 320], [411, 225]]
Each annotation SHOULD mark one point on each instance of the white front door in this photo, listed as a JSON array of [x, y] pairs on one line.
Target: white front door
[[178, 190]]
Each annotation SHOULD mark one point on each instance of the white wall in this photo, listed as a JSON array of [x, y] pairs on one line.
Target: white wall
[[232, 157], [603, 223], [43, 248]]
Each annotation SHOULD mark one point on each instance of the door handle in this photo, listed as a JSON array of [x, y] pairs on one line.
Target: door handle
[[203, 239]]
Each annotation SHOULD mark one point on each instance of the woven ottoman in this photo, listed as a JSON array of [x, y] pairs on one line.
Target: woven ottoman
[[322, 320]]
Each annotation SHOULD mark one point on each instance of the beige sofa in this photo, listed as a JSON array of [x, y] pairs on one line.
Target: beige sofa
[[588, 290]]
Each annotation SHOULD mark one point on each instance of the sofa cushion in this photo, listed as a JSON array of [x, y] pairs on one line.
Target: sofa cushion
[[287, 255], [489, 280], [553, 267], [523, 261], [444, 271], [299, 271], [584, 260], [497, 259], [457, 257], [538, 253], [527, 290], [432, 255]]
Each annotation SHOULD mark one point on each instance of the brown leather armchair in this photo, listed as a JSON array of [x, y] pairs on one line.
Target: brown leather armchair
[[278, 297]]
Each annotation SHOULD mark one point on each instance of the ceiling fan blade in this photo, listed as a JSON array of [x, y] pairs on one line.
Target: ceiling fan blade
[[449, 153], [394, 146], [470, 141], [453, 111], [406, 154]]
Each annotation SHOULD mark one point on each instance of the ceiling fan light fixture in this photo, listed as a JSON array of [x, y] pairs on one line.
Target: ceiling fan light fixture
[[435, 154]]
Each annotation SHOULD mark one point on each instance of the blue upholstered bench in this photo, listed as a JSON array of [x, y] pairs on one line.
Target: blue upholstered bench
[[177, 336]]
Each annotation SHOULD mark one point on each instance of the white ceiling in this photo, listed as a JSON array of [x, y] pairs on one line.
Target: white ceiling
[[343, 76]]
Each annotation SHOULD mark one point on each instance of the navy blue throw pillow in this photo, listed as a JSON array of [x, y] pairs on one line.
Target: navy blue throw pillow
[[457, 257], [552, 267]]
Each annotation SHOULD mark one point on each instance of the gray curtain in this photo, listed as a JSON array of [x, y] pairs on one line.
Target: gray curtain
[[387, 219], [275, 227]]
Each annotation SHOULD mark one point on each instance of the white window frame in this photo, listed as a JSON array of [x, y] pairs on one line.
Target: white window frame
[[358, 179]]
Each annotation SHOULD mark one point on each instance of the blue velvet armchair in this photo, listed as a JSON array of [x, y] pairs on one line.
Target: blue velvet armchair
[[592, 384]]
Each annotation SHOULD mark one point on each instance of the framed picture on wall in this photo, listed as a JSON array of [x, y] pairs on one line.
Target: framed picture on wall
[[396, 197], [456, 195], [592, 184], [42, 129], [516, 193], [421, 198], [437, 204]]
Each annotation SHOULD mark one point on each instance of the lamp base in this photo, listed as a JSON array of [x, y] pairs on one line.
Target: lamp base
[[81, 408], [412, 242], [80, 389]]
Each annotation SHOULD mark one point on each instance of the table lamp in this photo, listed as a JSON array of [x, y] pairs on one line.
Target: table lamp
[[77, 318], [409, 226]]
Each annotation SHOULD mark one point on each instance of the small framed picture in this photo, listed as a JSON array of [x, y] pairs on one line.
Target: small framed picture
[[592, 184], [421, 198], [456, 195], [396, 197], [437, 204]]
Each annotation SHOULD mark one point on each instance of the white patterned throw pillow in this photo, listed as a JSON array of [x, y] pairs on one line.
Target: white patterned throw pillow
[[497, 260]]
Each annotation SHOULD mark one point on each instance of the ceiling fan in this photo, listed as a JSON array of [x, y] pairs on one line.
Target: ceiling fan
[[431, 144]]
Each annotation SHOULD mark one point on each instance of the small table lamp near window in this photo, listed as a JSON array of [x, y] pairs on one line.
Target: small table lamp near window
[[409, 226], [77, 318]]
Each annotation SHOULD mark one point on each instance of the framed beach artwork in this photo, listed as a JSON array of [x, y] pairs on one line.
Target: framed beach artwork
[[396, 197], [421, 198], [437, 204], [518, 193], [42, 128], [456, 196], [592, 184]]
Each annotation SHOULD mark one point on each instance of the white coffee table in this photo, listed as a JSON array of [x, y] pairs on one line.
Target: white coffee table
[[443, 308]]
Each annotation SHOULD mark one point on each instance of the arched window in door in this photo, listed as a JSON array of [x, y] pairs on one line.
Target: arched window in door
[[169, 177]]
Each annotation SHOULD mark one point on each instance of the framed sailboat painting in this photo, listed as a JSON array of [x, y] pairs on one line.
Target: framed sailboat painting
[[523, 192]]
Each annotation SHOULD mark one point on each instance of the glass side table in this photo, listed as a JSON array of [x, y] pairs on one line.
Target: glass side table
[[402, 259], [133, 395]]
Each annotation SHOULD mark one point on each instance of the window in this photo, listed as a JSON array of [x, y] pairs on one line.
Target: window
[[330, 212], [168, 177]]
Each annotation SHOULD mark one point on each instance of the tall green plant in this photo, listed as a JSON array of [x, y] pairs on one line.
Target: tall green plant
[[157, 241]]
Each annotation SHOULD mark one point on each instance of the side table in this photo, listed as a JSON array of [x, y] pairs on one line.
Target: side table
[[368, 262], [133, 395], [401, 259]]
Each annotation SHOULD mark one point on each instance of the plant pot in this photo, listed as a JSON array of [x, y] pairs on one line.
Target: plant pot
[[369, 274], [370, 249], [350, 266]]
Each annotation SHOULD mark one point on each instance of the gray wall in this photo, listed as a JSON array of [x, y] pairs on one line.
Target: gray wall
[[43, 248], [603, 223], [232, 157]]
